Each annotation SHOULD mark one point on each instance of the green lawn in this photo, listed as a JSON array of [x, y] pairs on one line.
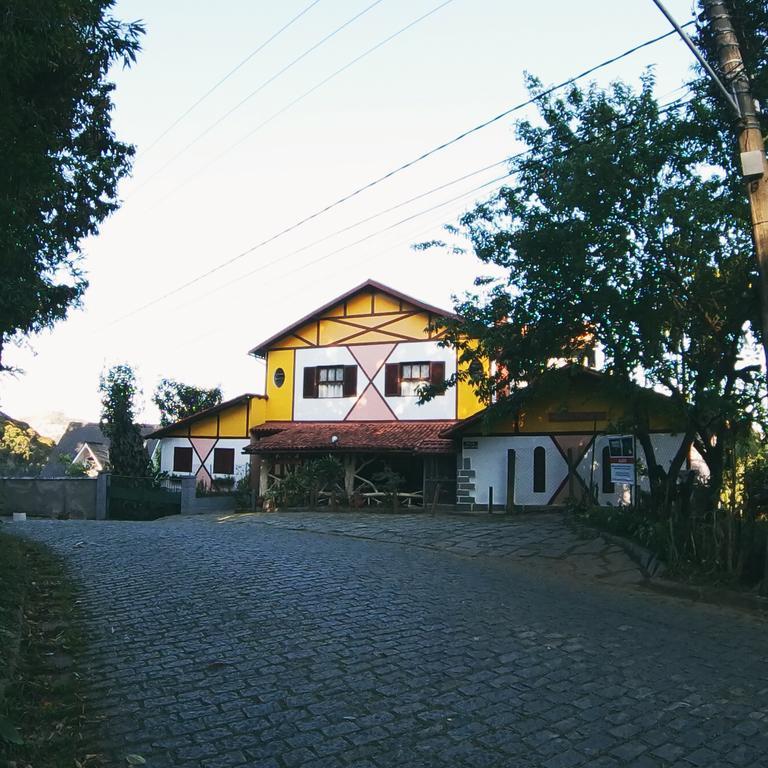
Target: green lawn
[[41, 710]]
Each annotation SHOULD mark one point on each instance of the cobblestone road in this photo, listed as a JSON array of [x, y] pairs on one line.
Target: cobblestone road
[[225, 645]]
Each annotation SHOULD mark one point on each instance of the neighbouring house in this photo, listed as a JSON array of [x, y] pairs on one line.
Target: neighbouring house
[[209, 444], [84, 444], [551, 443]]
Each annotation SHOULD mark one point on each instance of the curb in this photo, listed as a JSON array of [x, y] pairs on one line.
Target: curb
[[710, 595], [655, 569]]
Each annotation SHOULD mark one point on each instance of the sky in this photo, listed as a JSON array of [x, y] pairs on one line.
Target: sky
[[279, 140]]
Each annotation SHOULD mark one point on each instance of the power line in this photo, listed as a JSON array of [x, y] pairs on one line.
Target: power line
[[229, 74], [390, 174], [510, 159], [253, 93], [303, 96]]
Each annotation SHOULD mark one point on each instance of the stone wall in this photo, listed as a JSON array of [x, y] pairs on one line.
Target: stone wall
[[81, 498]]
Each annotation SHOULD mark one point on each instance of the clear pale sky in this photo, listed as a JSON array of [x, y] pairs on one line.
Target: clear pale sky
[[457, 68]]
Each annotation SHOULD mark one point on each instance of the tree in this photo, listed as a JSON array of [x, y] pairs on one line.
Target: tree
[[619, 230], [22, 450], [177, 401], [60, 159], [119, 390]]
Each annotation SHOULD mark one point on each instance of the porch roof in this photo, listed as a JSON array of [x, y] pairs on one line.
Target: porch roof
[[359, 436]]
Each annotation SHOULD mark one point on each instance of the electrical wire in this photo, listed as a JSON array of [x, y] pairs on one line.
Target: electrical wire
[[253, 93], [388, 175], [229, 74], [301, 98]]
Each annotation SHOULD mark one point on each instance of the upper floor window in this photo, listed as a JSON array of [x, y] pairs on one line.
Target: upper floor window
[[405, 379], [326, 381], [330, 381]]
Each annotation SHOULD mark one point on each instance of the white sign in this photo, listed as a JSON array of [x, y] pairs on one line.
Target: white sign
[[622, 458]]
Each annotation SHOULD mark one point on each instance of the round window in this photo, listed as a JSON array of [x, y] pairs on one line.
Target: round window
[[279, 377], [476, 370]]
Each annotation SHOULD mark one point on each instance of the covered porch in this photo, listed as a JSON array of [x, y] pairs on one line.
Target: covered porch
[[375, 461]]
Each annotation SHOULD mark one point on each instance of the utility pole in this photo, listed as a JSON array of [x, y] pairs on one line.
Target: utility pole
[[751, 145]]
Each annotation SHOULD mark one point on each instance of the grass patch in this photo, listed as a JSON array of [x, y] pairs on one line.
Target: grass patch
[[40, 702]]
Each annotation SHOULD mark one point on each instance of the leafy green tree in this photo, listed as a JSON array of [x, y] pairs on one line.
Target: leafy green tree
[[60, 159], [119, 391], [176, 400], [22, 450], [618, 230]]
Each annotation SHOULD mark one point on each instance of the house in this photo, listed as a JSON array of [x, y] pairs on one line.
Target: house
[[551, 443], [344, 380], [86, 445], [209, 444]]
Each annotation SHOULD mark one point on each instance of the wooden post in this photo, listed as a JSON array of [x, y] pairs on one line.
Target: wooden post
[[511, 480], [569, 453], [490, 499], [350, 462]]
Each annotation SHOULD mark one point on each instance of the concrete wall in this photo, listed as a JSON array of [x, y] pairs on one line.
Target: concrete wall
[[78, 498], [191, 504]]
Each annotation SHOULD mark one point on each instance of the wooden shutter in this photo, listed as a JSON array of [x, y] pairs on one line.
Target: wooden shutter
[[437, 375], [392, 380], [310, 382], [350, 380]]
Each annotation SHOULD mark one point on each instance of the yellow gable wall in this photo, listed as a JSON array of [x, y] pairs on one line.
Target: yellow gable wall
[[233, 422], [258, 415], [391, 320], [205, 427], [582, 398], [279, 404], [467, 402]]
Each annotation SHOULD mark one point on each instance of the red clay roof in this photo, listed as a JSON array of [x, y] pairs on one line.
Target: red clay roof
[[370, 436]]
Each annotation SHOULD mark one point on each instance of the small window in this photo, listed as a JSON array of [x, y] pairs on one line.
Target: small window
[[330, 381], [539, 470], [413, 376], [223, 461], [608, 486], [279, 378], [182, 459], [476, 371]]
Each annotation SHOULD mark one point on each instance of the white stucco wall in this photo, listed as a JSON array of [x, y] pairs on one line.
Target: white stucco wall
[[167, 444], [489, 462], [404, 408]]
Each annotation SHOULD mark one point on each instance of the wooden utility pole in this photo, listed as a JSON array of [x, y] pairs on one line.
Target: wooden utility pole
[[751, 143]]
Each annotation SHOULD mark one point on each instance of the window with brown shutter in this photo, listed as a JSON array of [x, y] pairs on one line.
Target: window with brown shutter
[[350, 380], [437, 374], [406, 379], [310, 382], [182, 459], [392, 380], [223, 461]]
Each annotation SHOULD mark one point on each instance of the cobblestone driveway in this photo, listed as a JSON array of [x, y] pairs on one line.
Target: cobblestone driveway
[[253, 645]]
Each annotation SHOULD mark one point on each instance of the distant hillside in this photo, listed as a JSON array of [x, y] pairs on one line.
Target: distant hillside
[[22, 450]]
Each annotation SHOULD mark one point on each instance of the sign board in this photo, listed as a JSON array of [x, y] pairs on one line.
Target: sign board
[[470, 444], [622, 458]]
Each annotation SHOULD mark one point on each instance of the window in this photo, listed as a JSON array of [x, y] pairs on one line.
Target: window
[[608, 486], [182, 459], [413, 376], [330, 381], [279, 378], [539, 470], [405, 379], [223, 461]]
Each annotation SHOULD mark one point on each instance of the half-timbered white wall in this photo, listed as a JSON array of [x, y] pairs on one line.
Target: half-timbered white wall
[[370, 402], [203, 456], [488, 462]]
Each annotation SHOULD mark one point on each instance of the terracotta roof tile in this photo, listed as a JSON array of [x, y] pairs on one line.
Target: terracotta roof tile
[[374, 436]]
